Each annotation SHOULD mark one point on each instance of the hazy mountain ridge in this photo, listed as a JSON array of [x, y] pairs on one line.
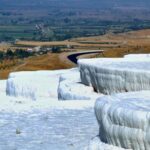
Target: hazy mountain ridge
[[78, 3], [70, 18]]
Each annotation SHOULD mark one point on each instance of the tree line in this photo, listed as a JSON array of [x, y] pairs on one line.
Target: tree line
[[18, 53]]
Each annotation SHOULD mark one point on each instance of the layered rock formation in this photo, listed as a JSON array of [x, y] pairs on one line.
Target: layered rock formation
[[124, 120], [35, 84], [110, 76]]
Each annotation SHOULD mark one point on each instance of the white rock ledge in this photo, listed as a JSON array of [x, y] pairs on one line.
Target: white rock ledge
[[35, 84], [124, 120], [117, 75], [71, 88], [137, 56]]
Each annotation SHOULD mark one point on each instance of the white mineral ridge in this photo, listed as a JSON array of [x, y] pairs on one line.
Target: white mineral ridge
[[71, 88], [114, 75], [46, 123], [71, 76], [137, 56], [124, 120], [35, 84]]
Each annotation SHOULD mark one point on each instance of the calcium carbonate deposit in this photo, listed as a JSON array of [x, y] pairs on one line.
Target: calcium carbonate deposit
[[71, 88], [124, 120], [137, 56], [35, 84], [110, 76], [54, 110]]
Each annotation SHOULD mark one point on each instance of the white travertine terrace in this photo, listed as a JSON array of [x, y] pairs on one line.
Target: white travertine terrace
[[60, 84], [124, 120], [137, 56], [71, 88], [35, 84], [116, 75]]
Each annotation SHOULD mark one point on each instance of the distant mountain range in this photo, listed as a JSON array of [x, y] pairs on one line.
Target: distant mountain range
[[93, 4], [64, 19]]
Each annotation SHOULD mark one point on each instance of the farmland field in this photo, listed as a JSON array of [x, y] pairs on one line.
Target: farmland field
[[118, 27], [60, 20], [114, 45]]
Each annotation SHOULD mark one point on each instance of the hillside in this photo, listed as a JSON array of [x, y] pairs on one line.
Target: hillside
[[115, 45], [77, 3], [52, 20]]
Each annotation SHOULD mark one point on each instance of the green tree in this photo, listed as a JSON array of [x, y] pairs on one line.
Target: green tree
[[56, 49]]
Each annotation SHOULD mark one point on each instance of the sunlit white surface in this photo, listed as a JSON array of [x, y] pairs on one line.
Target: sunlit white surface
[[115, 75], [124, 120]]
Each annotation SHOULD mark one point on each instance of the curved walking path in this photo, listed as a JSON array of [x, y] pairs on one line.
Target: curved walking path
[[74, 59]]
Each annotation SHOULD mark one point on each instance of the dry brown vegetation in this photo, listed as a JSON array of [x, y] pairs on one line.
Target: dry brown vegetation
[[135, 38], [115, 45], [48, 61], [4, 46]]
